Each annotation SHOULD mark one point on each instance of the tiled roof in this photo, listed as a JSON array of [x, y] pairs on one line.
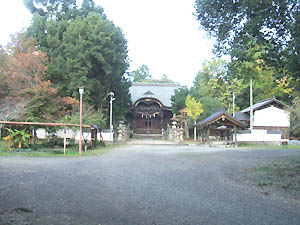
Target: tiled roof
[[216, 115], [159, 91], [241, 116], [264, 103]]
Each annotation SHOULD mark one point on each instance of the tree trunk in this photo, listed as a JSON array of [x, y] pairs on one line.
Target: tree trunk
[[186, 129]]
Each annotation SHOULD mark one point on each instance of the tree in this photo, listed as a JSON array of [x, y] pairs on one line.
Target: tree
[[20, 71], [165, 79], [57, 9], [294, 111], [178, 99], [179, 107], [274, 24], [140, 74], [213, 86], [194, 109], [84, 49], [216, 82], [90, 6], [28, 96], [183, 119], [62, 9], [100, 68], [90, 116], [251, 67]]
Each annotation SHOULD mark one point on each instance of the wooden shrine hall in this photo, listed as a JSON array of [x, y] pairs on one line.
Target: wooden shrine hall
[[221, 125], [151, 112]]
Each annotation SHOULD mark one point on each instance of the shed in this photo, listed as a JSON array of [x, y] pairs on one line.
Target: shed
[[221, 125]]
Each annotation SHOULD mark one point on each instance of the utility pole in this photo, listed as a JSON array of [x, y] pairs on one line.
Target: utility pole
[[110, 119], [233, 103], [81, 91], [251, 104]]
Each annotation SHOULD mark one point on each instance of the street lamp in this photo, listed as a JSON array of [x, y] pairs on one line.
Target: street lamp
[[110, 119], [81, 91]]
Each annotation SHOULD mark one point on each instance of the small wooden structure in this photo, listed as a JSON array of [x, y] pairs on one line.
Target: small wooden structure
[[220, 124]]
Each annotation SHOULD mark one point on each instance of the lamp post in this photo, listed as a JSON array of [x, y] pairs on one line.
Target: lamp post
[[110, 119], [81, 91]]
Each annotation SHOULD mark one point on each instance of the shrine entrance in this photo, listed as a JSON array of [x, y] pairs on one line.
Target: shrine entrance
[[149, 116]]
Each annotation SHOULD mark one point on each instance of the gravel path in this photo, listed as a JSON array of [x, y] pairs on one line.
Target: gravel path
[[142, 185]]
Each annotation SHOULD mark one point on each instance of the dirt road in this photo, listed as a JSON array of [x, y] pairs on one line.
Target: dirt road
[[142, 185]]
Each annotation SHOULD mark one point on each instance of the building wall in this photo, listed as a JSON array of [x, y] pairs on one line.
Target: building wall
[[271, 117], [285, 132], [73, 134], [259, 136]]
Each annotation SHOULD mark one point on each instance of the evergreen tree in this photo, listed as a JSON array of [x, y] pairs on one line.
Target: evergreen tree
[[84, 49]]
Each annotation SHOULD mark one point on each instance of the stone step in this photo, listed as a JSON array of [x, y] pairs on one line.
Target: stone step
[[149, 141], [147, 136]]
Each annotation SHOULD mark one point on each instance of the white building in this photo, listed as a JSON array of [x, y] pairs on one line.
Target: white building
[[270, 122]]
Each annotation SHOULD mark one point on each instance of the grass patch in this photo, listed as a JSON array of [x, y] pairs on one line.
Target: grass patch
[[53, 152], [269, 146], [284, 174]]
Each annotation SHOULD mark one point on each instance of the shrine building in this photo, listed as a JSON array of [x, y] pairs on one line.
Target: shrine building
[[151, 107]]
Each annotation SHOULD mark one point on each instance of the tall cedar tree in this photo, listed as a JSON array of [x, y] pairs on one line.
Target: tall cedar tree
[[84, 49]]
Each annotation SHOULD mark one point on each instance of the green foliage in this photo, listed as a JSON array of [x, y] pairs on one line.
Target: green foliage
[[57, 8], [294, 111], [53, 152], [274, 24], [178, 99], [194, 108], [89, 116], [266, 83], [214, 85], [84, 49], [210, 105], [62, 9], [140, 74], [19, 136]]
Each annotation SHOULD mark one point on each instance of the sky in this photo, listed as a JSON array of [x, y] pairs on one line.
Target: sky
[[162, 34]]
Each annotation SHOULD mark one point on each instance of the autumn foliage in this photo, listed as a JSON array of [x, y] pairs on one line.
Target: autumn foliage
[[25, 92]]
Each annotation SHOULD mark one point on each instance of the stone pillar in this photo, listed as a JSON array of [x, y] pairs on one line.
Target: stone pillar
[[181, 142], [174, 131]]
